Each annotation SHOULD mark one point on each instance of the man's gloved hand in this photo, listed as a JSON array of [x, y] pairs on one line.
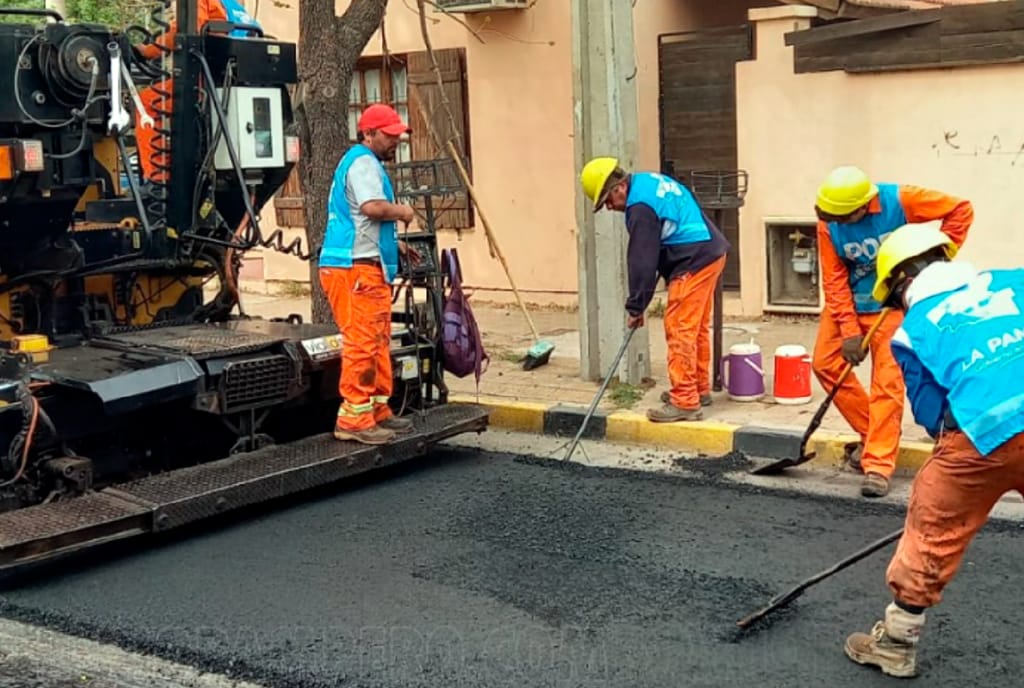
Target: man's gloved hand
[[852, 353]]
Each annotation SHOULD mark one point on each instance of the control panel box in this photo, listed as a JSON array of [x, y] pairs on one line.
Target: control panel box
[[256, 127]]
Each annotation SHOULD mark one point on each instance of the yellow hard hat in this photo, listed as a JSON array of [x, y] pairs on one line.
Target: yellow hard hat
[[905, 243], [594, 176], [844, 190]]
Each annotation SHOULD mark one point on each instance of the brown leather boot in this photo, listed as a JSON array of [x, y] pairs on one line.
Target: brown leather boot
[[705, 399], [399, 426], [892, 644], [670, 413], [852, 452], [874, 485], [372, 435]]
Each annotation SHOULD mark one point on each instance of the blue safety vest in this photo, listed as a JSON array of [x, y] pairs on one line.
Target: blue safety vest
[[972, 342], [682, 221], [237, 14], [857, 245], [340, 237]]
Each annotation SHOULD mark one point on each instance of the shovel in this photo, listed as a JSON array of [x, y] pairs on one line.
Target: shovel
[[803, 455]]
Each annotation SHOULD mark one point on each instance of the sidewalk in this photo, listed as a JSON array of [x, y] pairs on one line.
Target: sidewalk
[[553, 398]]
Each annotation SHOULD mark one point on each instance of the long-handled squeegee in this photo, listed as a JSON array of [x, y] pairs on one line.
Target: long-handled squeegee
[[787, 597], [803, 456]]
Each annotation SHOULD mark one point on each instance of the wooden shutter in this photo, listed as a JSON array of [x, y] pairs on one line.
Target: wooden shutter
[[425, 100], [288, 202]]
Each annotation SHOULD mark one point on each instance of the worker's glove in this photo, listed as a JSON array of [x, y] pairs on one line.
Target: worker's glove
[[852, 353]]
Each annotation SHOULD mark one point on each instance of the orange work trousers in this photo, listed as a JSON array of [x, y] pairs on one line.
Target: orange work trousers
[[687, 317], [360, 300], [950, 501], [877, 418]]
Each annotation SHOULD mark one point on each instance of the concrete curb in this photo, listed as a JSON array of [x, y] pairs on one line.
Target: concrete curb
[[707, 437]]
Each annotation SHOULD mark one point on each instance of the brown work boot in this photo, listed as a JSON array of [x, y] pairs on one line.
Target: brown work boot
[[874, 485], [670, 413], [852, 451], [705, 399], [399, 426], [372, 435], [891, 645]]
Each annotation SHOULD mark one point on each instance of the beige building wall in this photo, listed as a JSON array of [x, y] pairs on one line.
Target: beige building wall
[[957, 130], [521, 138]]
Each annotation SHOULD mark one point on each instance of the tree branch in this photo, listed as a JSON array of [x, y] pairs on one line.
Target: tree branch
[[421, 6]]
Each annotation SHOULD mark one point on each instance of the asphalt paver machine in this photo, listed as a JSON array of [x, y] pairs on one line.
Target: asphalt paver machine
[[131, 401]]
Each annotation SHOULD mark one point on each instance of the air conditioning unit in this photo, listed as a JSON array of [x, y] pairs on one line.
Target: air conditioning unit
[[466, 6]]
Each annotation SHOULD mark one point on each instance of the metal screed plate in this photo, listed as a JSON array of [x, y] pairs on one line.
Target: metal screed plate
[[160, 502]]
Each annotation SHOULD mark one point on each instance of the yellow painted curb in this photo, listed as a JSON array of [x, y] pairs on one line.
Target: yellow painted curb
[[522, 416], [714, 438], [829, 448], [704, 437]]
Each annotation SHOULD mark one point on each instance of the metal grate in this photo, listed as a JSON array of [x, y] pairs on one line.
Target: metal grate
[[44, 520], [427, 178], [257, 380], [199, 341], [719, 188]]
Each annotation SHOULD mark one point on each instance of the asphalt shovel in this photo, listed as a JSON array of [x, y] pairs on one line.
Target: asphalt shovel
[[803, 456]]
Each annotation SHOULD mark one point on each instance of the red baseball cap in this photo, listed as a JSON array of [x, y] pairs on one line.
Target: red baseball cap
[[383, 118]]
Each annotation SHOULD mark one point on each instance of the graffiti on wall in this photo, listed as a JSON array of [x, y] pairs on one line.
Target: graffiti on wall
[[953, 145]]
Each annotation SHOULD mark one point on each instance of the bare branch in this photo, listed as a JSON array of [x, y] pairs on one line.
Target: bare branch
[[476, 34], [421, 5]]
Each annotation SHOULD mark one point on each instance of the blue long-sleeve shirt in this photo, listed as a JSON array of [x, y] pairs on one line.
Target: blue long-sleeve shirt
[[928, 399]]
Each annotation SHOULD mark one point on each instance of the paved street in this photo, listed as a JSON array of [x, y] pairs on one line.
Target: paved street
[[480, 569]]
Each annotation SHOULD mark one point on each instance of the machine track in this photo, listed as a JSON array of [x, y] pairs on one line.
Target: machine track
[[169, 500]]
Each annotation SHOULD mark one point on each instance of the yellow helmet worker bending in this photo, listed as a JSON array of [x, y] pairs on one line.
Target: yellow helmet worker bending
[[855, 215], [670, 236]]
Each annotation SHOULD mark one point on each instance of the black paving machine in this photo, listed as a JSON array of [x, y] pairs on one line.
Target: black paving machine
[[131, 402]]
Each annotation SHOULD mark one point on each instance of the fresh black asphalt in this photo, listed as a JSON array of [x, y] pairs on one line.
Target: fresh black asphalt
[[487, 570]]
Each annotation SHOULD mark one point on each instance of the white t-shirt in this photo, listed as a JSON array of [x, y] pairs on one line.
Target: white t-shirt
[[364, 184]]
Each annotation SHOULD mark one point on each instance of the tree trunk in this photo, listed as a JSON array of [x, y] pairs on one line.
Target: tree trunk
[[329, 47]]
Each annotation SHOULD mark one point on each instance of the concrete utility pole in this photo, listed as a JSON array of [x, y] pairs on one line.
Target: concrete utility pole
[[605, 123]]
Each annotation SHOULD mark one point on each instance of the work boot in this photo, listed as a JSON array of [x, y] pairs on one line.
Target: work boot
[[670, 413], [852, 452], [400, 426], [874, 485], [372, 435], [892, 644], [705, 399]]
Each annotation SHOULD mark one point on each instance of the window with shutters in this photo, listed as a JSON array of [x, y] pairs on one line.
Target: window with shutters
[[410, 85]]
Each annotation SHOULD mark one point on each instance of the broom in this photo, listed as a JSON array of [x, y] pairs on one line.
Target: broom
[[540, 353]]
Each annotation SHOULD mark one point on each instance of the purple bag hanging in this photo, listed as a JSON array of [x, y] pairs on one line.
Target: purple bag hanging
[[460, 337]]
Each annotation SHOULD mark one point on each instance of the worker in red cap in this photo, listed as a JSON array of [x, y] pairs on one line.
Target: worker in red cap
[[358, 261]]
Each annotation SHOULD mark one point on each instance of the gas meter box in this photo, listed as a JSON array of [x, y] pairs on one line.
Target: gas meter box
[[256, 127]]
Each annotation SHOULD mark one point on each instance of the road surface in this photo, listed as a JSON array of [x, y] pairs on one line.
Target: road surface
[[480, 569]]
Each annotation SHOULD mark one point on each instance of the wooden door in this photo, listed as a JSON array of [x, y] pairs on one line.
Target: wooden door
[[697, 103]]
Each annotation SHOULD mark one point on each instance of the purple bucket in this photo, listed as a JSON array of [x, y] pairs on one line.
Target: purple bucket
[[742, 372]]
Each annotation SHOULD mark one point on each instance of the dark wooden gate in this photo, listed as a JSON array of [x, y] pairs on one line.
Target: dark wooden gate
[[697, 108]]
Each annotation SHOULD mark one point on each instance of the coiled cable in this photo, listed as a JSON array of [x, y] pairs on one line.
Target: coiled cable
[[159, 158]]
